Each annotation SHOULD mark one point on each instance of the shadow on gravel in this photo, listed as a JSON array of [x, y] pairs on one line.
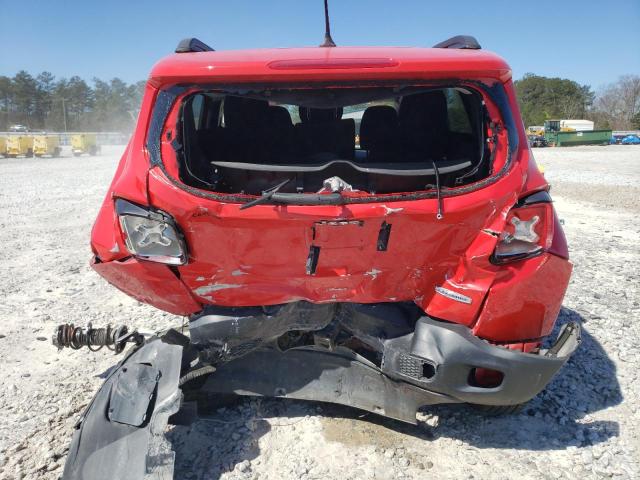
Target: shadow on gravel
[[556, 419], [211, 447]]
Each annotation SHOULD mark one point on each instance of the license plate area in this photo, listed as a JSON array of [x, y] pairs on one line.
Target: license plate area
[[332, 234]]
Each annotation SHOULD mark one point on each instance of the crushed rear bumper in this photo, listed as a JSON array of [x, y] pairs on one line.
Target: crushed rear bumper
[[402, 384], [121, 434]]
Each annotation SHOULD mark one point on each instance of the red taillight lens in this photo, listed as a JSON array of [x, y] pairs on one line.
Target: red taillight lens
[[527, 233]]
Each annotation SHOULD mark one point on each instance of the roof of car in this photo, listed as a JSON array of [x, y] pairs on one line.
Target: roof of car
[[328, 64]]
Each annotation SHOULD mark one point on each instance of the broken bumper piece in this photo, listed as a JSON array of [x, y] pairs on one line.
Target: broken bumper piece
[[121, 434], [430, 366], [312, 373], [442, 357]]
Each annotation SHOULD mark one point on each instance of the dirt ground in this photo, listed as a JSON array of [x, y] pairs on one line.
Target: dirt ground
[[584, 425]]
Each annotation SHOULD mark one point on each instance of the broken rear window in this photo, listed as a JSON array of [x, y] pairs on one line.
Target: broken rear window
[[374, 140]]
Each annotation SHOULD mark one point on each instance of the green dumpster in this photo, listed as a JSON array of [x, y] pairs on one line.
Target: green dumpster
[[568, 139]]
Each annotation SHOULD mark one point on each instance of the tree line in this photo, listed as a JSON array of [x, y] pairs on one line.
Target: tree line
[[43, 102], [616, 106]]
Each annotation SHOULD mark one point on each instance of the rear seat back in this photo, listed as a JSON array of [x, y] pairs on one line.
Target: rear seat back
[[424, 126], [322, 131], [245, 121], [379, 133], [278, 134]]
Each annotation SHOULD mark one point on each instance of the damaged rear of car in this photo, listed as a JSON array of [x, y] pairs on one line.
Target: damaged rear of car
[[363, 226]]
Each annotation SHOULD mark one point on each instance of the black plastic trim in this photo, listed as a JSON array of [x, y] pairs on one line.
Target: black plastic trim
[[455, 351], [537, 197], [383, 237], [189, 45], [460, 41], [315, 373], [398, 170]]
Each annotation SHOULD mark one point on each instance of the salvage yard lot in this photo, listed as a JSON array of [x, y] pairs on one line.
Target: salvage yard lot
[[584, 425]]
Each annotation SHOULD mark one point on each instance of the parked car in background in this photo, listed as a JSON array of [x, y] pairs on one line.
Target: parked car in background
[[630, 140], [18, 128], [537, 141]]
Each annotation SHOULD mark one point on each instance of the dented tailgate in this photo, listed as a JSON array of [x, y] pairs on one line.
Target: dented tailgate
[[364, 253]]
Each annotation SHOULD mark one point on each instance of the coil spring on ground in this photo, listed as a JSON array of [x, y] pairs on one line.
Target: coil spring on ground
[[70, 336]]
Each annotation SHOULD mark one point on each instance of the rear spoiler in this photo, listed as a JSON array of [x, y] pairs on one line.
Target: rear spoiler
[[460, 41]]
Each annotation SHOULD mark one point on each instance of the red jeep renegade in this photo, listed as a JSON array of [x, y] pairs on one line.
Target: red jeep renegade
[[364, 226]]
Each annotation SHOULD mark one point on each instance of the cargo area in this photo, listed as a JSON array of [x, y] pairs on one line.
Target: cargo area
[[373, 139]]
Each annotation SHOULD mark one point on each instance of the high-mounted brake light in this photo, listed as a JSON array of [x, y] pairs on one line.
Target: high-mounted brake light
[[151, 235], [332, 63], [528, 232]]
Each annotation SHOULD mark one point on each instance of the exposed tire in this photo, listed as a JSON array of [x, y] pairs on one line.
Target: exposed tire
[[499, 410], [76, 154]]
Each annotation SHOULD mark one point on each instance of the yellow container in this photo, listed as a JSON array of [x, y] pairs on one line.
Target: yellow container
[[46, 145], [84, 143], [3, 146], [19, 145]]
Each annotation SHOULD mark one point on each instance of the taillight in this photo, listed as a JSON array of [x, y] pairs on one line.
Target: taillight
[[528, 233], [151, 235]]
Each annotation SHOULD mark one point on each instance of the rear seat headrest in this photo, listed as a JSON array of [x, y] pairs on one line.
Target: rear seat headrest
[[428, 106], [424, 122], [378, 127], [319, 115], [280, 117], [241, 112]]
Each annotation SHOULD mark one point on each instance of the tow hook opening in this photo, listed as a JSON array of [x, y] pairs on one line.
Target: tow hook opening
[[485, 377]]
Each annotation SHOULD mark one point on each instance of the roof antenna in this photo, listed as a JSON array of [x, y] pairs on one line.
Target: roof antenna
[[328, 41]]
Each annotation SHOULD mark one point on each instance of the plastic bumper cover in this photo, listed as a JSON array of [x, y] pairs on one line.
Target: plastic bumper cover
[[440, 357]]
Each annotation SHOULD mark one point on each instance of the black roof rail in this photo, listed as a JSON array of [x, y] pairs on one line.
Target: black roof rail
[[192, 45], [460, 41]]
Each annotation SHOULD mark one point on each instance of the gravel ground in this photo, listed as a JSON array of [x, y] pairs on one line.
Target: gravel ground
[[584, 425]]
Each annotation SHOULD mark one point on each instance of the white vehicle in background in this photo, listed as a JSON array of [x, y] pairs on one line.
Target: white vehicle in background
[[576, 125], [19, 128]]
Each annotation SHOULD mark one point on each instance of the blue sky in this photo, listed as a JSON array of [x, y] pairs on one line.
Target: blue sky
[[587, 41]]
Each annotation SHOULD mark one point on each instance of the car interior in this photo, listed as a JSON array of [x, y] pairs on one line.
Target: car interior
[[376, 140]]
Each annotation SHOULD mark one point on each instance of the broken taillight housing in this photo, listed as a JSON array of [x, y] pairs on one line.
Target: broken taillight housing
[[150, 235], [528, 233]]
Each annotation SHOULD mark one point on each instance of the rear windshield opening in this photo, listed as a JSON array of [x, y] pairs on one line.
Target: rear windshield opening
[[374, 140]]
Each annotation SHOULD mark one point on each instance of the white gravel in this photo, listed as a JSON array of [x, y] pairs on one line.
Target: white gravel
[[585, 425]]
